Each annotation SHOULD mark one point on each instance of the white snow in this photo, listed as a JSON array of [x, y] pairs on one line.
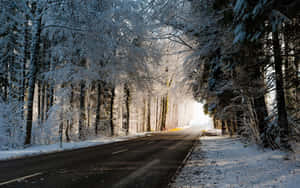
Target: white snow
[[227, 162], [43, 149]]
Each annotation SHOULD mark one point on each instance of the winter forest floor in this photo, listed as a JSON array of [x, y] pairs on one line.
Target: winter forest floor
[[227, 162], [43, 149]]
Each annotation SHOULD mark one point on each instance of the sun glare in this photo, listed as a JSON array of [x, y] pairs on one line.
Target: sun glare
[[199, 118]]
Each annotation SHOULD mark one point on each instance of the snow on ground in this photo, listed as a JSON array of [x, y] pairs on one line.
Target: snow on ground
[[227, 162], [42, 149]]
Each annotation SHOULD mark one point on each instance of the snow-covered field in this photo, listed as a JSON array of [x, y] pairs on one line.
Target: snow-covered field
[[227, 162], [42, 149]]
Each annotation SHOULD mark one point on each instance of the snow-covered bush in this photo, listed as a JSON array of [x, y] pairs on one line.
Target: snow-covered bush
[[47, 132], [11, 125]]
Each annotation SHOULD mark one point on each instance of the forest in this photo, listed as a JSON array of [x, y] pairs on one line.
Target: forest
[[71, 70]]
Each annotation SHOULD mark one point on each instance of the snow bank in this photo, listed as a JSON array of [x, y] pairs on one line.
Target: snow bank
[[226, 162], [43, 149]]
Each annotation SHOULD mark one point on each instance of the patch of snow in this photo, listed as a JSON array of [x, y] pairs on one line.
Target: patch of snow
[[227, 162], [213, 131], [43, 149]]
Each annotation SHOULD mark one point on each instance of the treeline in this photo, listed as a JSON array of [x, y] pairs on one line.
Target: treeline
[[246, 66], [73, 69]]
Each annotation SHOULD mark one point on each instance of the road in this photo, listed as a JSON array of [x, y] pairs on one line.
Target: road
[[149, 161]]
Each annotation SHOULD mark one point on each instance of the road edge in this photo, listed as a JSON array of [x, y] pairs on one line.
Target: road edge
[[68, 149], [184, 161]]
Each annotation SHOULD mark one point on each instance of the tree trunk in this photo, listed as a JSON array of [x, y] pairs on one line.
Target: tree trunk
[[127, 103], [157, 114], [234, 127], [25, 58], [289, 77], [32, 74], [256, 74], [215, 122], [50, 92], [230, 127], [223, 127], [164, 112], [260, 108], [281, 108], [72, 107], [68, 131], [149, 114], [51, 99], [82, 117], [158, 122], [97, 123], [39, 102], [44, 97], [6, 87], [70, 122], [61, 127], [144, 122], [112, 99], [88, 110]]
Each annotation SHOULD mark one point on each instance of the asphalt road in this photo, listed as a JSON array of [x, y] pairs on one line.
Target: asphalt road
[[149, 161]]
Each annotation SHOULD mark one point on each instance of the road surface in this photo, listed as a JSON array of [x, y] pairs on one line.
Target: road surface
[[149, 161]]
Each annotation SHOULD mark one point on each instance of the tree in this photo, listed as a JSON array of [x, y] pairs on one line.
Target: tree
[[280, 96], [34, 55], [258, 14]]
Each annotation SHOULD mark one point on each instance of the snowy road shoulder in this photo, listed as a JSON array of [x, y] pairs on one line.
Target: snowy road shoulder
[[44, 149], [52, 148], [226, 162]]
